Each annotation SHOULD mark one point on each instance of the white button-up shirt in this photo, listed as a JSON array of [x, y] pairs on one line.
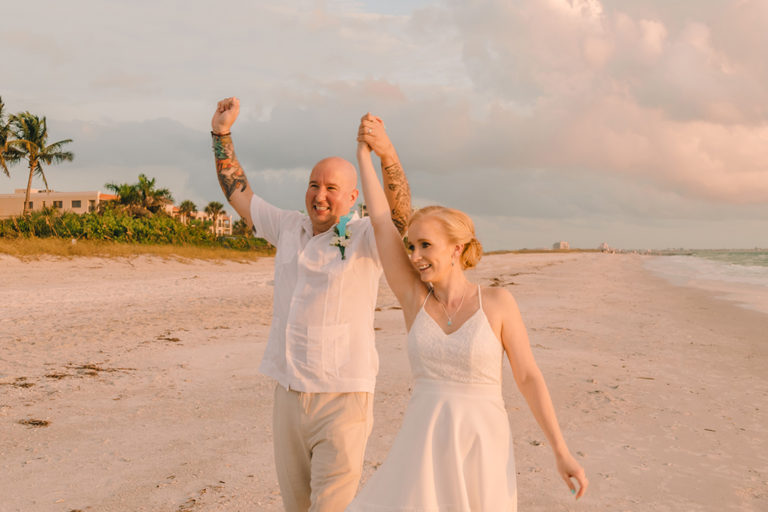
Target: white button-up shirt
[[321, 338]]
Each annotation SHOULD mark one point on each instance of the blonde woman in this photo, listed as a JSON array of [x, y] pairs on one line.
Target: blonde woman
[[454, 449]]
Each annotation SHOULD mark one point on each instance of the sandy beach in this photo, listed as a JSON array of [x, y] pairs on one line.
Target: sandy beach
[[132, 385]]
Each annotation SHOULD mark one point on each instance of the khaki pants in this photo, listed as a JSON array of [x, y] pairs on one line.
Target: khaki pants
[[319, 447]]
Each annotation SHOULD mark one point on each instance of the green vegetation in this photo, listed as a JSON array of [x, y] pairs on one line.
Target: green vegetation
[[7, 154], [116, 225], [142, 198], [214, 209], [186, 208], [135, 223]]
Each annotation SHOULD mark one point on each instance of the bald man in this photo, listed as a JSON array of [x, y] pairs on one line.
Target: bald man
[[321, 346]]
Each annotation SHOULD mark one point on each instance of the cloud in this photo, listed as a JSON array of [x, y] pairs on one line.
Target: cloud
[[141, 84], [572, 85], [565, 112]]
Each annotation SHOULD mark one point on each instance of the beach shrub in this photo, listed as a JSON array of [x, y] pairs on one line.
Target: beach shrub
[[116, 225]]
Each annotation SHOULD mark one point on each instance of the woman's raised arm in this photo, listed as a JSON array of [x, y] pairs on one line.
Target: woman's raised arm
[[400, 274]]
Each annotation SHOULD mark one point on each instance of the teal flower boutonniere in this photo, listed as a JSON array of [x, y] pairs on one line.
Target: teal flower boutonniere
[[341, 240]]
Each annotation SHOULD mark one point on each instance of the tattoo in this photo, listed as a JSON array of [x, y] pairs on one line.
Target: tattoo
[[398, 195], [230, 174]]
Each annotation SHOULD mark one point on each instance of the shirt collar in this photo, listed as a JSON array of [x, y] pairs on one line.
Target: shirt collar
[[307, 224]]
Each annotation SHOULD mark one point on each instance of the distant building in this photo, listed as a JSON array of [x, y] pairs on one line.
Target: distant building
[[12, 205], [75, 202], [561, 246], [605, 247], [223, 225]]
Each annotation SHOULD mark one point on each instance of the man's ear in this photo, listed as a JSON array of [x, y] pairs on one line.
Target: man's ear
[[355, 193]]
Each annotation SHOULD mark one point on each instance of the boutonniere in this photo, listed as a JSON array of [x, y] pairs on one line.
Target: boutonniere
[[341, 240]]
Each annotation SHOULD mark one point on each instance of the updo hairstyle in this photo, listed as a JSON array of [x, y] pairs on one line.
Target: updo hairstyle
[[458, 228]]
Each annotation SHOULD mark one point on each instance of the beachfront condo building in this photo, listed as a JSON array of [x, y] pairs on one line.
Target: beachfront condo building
[[222, 226], [75, 202]]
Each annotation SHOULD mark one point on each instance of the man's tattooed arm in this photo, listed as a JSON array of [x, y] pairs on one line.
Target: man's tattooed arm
[[231, 176], [398, 194]]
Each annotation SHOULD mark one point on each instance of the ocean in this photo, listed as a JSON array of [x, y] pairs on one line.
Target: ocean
[[737, 276]]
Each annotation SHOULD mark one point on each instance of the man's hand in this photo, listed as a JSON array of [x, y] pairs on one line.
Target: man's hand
[[373, 133], [225, 115]]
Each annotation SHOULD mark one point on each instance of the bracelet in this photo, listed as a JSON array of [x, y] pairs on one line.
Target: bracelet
[[220, 134]]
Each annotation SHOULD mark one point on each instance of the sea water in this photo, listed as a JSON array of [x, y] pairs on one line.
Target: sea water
[[738, 276]]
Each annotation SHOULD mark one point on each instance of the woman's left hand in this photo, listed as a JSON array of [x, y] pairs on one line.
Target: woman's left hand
[[568, 469]]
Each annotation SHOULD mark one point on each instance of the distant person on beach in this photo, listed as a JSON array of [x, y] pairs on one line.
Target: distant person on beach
[[321, 346], [454, 448]]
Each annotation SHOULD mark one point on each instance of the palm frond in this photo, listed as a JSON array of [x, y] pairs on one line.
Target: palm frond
[[56, 146], [39, 172]]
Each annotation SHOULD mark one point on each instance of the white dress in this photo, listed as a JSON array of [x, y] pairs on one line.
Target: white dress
[[454, 450]]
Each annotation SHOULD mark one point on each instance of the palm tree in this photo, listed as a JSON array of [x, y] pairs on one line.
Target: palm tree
[[127, 194], [153, 199], [31, 143], [185, 208], [8, 155], [240, 228], [214, 209], [142, 198]]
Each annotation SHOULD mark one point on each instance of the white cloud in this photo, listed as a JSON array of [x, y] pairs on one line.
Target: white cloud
[[571, 111]]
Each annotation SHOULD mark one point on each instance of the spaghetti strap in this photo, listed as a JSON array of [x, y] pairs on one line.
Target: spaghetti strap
[[480, 296], [426, 298]]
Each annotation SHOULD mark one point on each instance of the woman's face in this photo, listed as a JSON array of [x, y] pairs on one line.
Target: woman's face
[[431, 251]]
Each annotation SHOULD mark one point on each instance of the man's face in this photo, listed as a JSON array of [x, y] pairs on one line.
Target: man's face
[[331, 192]]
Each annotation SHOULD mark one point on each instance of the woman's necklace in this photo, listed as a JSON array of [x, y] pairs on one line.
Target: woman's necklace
[[450, 317]]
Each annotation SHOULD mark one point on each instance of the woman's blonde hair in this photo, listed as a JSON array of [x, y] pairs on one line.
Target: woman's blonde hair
[[458, 228]]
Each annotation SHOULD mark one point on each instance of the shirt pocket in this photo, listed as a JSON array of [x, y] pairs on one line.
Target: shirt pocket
[[302, 352], [334, 343]]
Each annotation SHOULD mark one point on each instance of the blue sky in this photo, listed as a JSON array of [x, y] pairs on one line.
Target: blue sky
[[640, 123]]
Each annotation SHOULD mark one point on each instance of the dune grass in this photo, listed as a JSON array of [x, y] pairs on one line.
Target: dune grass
[[34, 248]]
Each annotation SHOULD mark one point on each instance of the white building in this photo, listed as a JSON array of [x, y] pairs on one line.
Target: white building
[[561, 246], [12, 205], [223, 225], [75, 202]]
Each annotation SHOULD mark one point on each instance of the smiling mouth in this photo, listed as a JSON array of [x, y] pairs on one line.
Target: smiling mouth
[[422, 268], [318, 208]]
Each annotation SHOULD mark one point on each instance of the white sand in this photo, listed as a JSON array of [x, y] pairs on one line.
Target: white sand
[[145, 370]]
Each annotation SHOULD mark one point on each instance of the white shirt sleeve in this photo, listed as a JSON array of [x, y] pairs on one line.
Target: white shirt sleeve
[[371, 240], [267, 219]]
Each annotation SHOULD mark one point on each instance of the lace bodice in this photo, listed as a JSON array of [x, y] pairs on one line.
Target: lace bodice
[[471, 354]]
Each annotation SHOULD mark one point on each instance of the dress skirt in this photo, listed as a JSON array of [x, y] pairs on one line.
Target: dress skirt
[[453, 453]]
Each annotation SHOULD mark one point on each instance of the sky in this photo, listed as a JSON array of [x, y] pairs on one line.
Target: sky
[[639, 123]]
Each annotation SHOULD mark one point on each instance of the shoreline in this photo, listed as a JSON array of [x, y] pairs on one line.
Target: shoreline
[[743, 285], [146, 370]]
